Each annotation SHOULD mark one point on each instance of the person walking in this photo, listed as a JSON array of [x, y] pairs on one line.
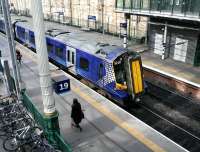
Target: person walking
[[19, 56], [76, 114], [1, 70]]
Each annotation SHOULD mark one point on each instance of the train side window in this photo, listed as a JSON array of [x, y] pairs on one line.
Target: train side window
[[68, 55], [59, 52], [32, 39], [72, 57], [49, 47], [84, 64], [21, 32], [100, 71]]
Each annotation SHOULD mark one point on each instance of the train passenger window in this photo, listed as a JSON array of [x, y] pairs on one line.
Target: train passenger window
[[84, 64], [32, 39], [100, 71], [21, 32], [49, 47], [59, 52], [72, 57], [68, 55]]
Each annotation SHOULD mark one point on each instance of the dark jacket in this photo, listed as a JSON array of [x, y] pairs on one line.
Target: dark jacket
[[76, 113]]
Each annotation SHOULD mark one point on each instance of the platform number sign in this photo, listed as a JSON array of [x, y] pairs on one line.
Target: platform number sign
[[124, 25], [90, 17], [61, 85]]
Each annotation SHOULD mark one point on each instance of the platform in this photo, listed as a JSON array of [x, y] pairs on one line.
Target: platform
[[106, 127], [178, 70]]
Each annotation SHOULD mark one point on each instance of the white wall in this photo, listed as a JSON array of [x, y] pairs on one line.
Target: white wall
[[80, 9]]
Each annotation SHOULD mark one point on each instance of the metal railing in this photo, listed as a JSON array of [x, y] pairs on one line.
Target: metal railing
[[92, 25], [39, 118], [180, 9]]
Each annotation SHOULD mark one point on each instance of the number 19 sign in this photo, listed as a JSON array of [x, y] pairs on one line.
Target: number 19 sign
[[61, 84]]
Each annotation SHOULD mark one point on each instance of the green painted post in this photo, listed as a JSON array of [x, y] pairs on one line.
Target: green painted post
[[49, 123], [52, 127]]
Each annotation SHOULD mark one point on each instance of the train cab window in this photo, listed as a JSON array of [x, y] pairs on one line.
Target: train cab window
[[59, 52], [49, 47], [120, 73], [84, 64], [100, 71], [72, 57], [68, 55]]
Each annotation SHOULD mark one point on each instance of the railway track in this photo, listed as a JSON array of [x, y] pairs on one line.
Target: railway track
[[172, 115]]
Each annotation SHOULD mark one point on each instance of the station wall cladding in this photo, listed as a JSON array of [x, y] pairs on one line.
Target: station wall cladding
[[181, 43], [76, 13]]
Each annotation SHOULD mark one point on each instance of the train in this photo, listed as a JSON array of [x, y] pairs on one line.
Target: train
[[114, 69]]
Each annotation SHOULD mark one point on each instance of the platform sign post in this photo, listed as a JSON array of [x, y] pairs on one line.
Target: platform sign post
[[164, 42]]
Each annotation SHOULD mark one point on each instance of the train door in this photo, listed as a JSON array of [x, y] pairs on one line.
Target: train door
[[26, 36], [71, 55]]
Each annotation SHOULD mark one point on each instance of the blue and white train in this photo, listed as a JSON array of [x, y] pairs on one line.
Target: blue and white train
[[115, 70]]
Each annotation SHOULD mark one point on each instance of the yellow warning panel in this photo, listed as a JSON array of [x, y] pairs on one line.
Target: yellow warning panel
[[137, 77]]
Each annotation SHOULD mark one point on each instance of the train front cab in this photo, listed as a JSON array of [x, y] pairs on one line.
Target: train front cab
[[129, 76]]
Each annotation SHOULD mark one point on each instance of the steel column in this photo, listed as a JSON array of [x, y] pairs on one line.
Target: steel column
[[43, 63], [10, 37], [164, 42]]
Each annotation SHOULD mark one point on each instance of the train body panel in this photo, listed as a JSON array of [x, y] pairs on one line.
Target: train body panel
[[114, 69]]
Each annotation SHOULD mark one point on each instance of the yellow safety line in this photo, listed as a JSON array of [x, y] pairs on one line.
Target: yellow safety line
[[130, 129]]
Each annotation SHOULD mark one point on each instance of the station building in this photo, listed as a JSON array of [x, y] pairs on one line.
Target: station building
[[77, 12], [173, 27]]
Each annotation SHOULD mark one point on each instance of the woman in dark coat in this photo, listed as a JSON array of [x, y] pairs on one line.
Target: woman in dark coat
[[76, 114], [19, 56]]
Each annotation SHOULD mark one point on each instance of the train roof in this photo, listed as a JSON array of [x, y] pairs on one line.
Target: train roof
[[79, 40], [103, 50]]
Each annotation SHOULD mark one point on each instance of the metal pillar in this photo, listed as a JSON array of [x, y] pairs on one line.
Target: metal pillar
[[43, 63], [102, 16], [51, 115], [164, 42], [11, 44], [71, 12], [10, 85], [126, 16]]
